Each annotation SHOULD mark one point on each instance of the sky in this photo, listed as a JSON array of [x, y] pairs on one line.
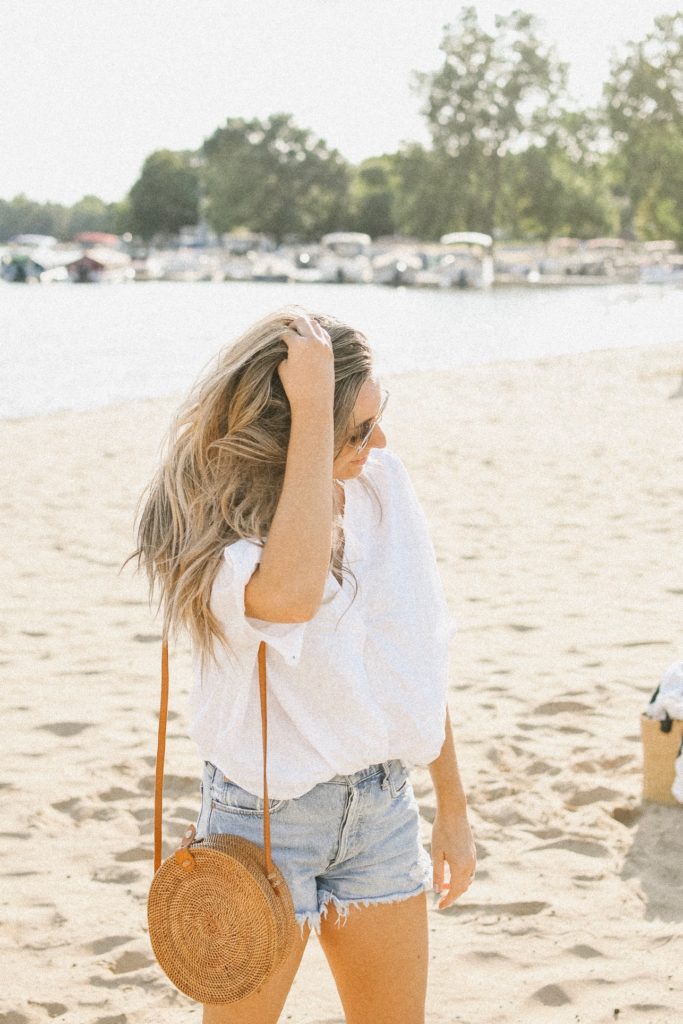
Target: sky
[[89, 88]]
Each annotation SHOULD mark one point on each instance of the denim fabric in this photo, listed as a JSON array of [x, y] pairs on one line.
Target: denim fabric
[[354, 839]]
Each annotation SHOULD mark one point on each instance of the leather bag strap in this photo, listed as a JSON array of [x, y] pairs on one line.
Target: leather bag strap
[[161, 750]]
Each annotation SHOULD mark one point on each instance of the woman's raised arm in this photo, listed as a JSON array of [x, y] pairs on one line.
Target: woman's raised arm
[[289, 583]]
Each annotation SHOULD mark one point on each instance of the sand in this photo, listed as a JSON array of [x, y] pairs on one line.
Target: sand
[[554, 491]]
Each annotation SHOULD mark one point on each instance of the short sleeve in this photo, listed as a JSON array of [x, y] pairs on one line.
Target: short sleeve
[[227, 602]]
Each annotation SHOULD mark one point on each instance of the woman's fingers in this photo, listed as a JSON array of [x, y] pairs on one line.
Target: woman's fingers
[[460, 881], [305, 326], [307, 371]]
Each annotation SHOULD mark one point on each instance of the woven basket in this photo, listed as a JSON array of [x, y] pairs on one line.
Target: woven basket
[[221, 917], [219, 928], [660, 750]]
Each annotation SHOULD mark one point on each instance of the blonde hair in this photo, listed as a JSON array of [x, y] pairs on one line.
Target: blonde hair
[[223, 463]]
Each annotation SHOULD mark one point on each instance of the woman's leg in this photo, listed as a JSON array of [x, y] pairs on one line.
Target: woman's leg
[[265, 1005], [379, 958]]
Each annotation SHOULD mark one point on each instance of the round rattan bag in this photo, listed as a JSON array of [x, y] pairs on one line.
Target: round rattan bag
[[217, 924], [220, 914]]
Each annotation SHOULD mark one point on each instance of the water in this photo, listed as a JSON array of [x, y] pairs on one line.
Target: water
[[82, 347]]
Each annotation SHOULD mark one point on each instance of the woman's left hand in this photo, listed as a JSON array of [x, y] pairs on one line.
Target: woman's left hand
[[452, 843]]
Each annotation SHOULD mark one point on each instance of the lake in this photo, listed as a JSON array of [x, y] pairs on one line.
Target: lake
[[84, 346]]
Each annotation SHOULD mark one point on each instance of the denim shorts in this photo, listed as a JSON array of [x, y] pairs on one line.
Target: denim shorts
[[352, 840]]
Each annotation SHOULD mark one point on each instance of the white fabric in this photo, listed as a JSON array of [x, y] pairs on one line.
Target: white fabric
[[668, 700], [668, 697], [363, 681]]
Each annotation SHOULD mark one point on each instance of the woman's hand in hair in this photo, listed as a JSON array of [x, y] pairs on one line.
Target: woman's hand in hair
[[307, 374]]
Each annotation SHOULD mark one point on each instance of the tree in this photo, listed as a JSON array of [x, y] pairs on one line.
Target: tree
[[166, 195], [90, 214], [372, 196], [274, 177], [562, 187], [24, 216], [491, 96], [644, 109]]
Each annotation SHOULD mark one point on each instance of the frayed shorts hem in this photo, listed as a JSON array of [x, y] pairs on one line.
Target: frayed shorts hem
[[313, 918]]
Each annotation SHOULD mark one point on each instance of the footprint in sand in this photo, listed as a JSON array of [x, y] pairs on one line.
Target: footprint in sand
[[136, 853], [584, 847], [117, 876], [53, 1009], [130, 961], [584, 797], [551, 995], [118, 793], [84, 811], [643, 643], [584, 951], [628, 816], [65, 728], [556, 707], [174, 785], [521, 909], [487, 954], [100, 946]]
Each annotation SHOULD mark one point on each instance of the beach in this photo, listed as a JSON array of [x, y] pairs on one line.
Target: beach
[[553, 489]]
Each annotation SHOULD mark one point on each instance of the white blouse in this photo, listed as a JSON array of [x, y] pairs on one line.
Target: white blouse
[[362, 682]]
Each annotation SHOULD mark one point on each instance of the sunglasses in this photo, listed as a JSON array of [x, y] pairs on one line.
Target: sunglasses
[[363, 432]]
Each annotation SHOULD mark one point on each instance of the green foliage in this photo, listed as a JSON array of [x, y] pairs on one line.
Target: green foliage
[[491, 95], [372, 195], [509, 156], [24, 216], [89, 214], [166, 195], [561, 187], [274, 177], [644, 111]]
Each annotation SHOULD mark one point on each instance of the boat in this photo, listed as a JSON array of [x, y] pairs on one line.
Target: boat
[[467, 261], [276, 269], [346, 257], [661, 263], [101, 265], [397, 267]]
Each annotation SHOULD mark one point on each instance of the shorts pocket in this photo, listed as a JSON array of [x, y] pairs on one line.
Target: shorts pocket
[[398, 776], [227, 796]]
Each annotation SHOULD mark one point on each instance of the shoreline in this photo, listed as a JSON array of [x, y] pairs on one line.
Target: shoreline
[[674, 349]]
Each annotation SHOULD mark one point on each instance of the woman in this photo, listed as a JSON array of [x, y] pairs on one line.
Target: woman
[[278, 514]]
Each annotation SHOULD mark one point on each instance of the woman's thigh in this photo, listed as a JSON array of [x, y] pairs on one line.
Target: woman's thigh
[[379, 959], [265, 1005]]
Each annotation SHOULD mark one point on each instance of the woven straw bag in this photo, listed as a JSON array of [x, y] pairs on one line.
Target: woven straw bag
[[220, 914]]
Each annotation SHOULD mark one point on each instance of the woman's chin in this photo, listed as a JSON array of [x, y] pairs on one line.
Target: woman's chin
[[351, 469]]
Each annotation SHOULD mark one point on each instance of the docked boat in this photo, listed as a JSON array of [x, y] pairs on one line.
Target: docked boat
[[100, 265], [273, 268], [346, 257], [661, 263], [467, 261], [190, 265], [397, 267]]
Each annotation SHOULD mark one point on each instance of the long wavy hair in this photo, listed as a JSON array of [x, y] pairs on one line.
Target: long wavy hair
[[222, 468]]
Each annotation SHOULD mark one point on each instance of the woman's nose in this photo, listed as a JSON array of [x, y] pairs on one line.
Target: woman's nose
[[378, 439]]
